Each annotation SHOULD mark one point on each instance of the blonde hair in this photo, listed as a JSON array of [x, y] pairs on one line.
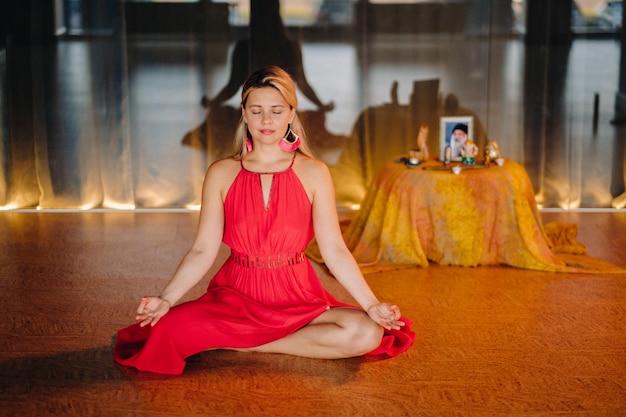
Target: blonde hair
[[279, 79]]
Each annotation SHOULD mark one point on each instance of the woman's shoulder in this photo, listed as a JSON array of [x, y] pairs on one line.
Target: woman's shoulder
[[311, 171], [223, 170], [309, 165], [225, 164]]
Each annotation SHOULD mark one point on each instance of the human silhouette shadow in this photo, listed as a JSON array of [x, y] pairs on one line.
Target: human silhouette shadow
[[384, 132], [267, 44]]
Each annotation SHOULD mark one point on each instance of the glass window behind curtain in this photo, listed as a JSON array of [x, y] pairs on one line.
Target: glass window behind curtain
[[126, 116]]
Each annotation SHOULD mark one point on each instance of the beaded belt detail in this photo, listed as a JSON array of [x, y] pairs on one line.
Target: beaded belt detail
[[267, 261]]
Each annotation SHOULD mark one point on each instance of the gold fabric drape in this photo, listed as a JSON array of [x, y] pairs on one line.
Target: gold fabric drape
[[483, 216]]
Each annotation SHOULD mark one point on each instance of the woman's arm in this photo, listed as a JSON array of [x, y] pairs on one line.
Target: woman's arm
[[333, 249], [316, 179], [203, 252]]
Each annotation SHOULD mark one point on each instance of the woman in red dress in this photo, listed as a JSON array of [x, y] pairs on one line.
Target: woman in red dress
[[266, 203]]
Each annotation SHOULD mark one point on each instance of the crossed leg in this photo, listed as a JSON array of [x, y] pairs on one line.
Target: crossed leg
[[336, 333]]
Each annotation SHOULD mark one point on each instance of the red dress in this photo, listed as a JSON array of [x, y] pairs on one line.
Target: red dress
[[266, 290]]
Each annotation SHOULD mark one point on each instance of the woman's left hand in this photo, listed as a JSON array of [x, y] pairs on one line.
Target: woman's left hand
[[386, 315]]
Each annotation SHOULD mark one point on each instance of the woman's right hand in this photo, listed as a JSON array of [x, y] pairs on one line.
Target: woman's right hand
[[151, 309]]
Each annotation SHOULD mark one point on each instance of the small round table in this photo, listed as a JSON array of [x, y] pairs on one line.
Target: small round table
[[413, 215]]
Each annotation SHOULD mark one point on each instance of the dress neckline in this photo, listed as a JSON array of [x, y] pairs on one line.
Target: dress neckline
[[269, 172]]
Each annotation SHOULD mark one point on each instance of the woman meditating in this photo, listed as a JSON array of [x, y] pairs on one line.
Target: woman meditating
[[266, 203]]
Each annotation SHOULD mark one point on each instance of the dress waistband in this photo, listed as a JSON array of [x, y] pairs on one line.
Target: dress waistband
[[267, 261]]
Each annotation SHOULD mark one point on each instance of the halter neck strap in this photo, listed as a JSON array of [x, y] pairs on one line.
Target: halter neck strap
[[270, 172]]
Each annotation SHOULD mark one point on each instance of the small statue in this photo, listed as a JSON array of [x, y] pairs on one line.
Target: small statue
[[420, 154], [469, 150], [447, 158], [422, 142], [492, 152]]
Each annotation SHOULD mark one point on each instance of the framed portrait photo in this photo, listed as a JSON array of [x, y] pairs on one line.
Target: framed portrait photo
[[453, 132]]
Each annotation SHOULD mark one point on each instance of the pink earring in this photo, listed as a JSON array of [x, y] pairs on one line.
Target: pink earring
[[248, 145], [290, 142]]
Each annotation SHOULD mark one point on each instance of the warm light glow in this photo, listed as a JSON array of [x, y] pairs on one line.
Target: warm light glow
[[570, 205], [194, 207], [11, 206], [539, 200], [118, 206], [619, 202]]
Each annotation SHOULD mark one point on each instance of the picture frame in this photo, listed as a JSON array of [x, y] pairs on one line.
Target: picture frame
[[447, 126]]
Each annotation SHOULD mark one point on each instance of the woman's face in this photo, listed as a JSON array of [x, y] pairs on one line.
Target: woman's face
[[267, 115]]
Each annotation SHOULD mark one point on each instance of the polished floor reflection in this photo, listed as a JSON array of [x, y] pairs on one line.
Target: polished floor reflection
[[491, 341], [124, 124]]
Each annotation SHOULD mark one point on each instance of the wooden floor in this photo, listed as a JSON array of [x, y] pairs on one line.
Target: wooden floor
[[492, 341]]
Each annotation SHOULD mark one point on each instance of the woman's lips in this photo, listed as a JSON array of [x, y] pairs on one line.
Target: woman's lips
[[267, 131]]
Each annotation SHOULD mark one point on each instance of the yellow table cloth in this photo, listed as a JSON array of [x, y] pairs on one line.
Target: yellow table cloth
[[482, 216]]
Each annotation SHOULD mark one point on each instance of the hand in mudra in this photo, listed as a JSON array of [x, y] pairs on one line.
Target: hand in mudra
[[151, 309], [386, 315]]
